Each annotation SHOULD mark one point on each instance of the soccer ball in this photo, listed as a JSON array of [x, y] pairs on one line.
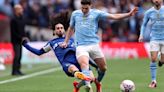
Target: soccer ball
[[127, 86]]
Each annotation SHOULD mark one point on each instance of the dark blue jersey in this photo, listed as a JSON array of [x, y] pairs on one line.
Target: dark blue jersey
[[61, 53], [66, 56]]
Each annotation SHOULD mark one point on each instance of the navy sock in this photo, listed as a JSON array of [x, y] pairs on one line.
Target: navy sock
[[100, 75]]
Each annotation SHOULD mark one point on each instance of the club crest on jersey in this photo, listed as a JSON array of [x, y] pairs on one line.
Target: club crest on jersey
[[57, 44], [158, 15], [91, 16]]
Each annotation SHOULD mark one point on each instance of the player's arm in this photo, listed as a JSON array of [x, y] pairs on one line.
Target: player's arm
[[143, 26], [34, 50], [68, 34], [123, 15], [70, 31]]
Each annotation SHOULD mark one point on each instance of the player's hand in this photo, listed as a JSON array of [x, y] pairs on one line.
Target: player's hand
[[133, 11], [25, 40], [63, 45], [140, 39]]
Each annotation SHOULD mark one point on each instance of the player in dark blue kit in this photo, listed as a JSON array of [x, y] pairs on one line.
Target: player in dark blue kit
[[66, 56]]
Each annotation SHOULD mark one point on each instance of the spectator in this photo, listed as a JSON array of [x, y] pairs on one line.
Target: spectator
[[6, 8], [39, 12], [17, 34]]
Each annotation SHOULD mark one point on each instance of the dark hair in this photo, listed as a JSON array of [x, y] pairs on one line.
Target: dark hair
[[62, 18], [85, 2]]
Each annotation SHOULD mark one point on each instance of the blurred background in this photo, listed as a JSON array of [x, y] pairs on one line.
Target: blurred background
[[38, 14]]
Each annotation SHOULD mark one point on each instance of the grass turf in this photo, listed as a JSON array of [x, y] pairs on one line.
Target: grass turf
[[136, 70]]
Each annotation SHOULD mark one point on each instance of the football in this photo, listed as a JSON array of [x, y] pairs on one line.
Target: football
[[127, 86]]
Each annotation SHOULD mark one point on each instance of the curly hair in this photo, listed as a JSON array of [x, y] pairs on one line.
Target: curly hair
[[63, 18]]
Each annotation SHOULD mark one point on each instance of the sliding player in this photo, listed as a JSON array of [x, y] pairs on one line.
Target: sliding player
[[65, 56]]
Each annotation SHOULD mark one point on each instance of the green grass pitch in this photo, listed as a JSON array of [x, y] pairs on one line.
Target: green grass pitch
[[136, 70]]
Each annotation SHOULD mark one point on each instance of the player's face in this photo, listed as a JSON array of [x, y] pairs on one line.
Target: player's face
[[59, 30], [157, 2], [85, 8]]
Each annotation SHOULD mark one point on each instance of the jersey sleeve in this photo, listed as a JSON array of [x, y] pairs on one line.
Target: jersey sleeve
[[72, 20], [103, 14], [34, 50], [47, 47], [145, 21]]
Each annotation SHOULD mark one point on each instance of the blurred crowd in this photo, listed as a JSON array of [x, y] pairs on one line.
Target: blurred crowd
[[38, 13]]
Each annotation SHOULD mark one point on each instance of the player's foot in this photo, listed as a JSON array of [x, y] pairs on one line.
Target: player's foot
[[17, 73], [98, 86], [153, 84], [88, 88], [75, 86], [82, 76], [160, 64]]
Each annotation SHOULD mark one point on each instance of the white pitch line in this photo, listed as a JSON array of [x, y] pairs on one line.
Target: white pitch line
[[30, 75], [8, 74]]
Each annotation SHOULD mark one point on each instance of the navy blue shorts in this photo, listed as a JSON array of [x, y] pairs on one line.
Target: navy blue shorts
[[70, 59], [66, 66]]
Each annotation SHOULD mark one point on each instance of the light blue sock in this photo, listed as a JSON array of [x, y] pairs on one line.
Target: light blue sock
[[87, 73], [100, 75], [153, 70]]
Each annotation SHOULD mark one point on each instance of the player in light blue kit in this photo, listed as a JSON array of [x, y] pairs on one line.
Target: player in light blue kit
[[156, 16], [85, 24]]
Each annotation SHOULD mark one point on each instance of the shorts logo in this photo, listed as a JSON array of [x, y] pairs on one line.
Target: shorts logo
[[67, 65]]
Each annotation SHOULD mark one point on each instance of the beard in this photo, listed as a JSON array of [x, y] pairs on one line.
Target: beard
[[157, 4], [60, 34]]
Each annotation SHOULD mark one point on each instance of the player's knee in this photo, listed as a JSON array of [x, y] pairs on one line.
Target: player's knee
[[154, 59], [103, 69], [84, 65]]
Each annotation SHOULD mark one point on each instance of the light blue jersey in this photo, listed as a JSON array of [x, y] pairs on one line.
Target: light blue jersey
[[156, 18], [86, 27]]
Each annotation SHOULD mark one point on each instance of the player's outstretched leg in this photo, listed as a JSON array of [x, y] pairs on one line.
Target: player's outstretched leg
[[153, 69], [98, 80], [81, 76], [101, 63]]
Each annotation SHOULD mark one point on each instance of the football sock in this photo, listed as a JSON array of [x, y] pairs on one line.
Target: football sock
[[81, 83], [73, 73], [153, 70], [88, 88], [87, 73], [100, 75]]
